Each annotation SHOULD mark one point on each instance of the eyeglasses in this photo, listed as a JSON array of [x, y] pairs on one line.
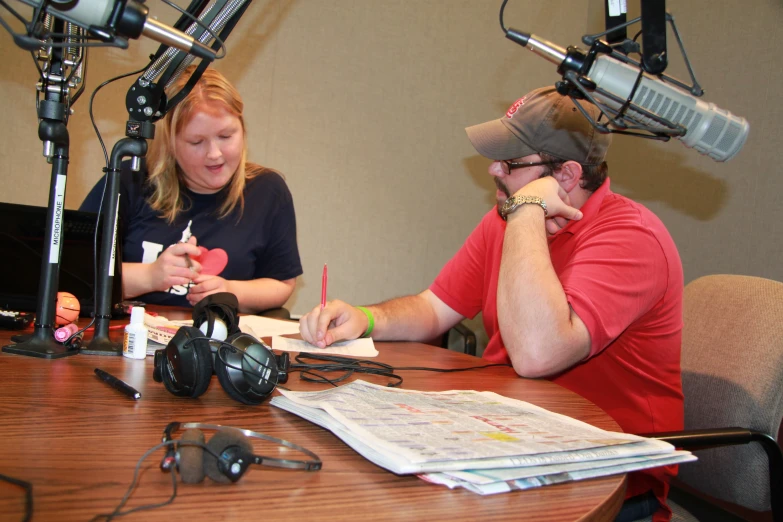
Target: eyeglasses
[[508, 166]]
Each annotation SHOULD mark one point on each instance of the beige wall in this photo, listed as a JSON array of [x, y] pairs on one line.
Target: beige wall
[[362, 105]]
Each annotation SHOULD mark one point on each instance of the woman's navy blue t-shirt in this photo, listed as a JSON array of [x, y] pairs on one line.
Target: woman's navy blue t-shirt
[[260, 243]]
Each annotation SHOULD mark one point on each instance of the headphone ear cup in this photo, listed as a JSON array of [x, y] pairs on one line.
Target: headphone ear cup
[[237, 382], [221, 370], [203, 367], [185, 366], [191, 457], [202, 355], [220, 441], [166, 379]]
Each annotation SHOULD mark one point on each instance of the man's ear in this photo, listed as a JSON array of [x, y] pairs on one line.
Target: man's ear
[[569, 175]]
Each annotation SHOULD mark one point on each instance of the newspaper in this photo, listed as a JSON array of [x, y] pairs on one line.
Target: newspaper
[[483, 483], [160, 330], [488, 476], [407, 431]]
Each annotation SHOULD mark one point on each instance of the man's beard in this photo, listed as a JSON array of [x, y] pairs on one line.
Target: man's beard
[[504, 189]]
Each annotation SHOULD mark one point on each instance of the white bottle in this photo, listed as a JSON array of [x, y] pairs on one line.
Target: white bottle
[[134, 344]]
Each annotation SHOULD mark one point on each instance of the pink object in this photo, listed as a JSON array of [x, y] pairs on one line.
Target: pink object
[[63, 333], [324, 280], [212, 261]]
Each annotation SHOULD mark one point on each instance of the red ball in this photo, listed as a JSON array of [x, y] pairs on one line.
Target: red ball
[[67, 309]]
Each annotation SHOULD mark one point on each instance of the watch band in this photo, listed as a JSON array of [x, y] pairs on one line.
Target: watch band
[[515, 202]]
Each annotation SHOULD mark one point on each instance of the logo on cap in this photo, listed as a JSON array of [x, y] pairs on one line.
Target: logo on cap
[[515, 107]]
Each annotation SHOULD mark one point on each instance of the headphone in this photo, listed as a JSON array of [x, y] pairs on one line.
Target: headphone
[[217, 315], [227, 455], [245, 367]]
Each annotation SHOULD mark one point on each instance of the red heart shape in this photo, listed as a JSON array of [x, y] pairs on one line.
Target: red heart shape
[[212, 261]]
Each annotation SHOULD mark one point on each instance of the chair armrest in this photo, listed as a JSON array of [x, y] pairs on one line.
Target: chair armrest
[[706, 438], [469, 338], [713, 438]]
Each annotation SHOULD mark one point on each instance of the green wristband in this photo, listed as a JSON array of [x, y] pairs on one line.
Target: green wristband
[[370, 321]]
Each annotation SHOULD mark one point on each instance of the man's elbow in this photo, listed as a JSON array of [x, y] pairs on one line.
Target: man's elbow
[[545, 360], [531, 369]]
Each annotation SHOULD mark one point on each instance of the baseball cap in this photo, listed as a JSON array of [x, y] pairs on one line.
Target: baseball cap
[[542, 121]]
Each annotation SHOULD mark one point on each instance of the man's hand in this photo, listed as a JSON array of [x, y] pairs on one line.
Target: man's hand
[[541, 332], [206, 285], [337, 321], [558, 204], [555, 224], [173, 268]]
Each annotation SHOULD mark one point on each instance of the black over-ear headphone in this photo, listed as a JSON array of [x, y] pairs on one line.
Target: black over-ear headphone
[[246, 368], [227, 455], [222, 307]]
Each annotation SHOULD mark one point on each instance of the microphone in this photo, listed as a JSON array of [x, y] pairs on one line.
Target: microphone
[[126, 18], [648, 101], [217, 315]]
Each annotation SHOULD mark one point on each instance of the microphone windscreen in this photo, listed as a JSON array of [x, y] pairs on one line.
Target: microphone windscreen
[[191, 460], [85, 12], [220, 441]]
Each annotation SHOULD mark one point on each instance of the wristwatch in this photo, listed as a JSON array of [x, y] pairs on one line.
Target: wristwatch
[[514, 202]]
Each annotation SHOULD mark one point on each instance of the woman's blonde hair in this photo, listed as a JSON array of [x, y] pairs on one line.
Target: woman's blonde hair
[[165, 176]]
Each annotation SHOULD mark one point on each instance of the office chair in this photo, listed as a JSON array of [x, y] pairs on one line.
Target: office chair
[[732, 364], [276, 313]]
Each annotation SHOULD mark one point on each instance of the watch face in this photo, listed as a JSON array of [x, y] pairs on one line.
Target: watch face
[[509, 205]]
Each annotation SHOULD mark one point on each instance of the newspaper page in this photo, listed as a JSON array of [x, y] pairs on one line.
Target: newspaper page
[[486, 485], [408, 431]]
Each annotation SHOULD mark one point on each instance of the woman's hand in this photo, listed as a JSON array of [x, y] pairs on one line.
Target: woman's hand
[[206, 285], [174, 266]]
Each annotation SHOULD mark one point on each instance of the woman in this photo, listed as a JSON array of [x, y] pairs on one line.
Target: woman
[[198, 218]]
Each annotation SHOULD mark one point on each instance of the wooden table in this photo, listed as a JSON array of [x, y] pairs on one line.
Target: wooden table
[[77, 441]]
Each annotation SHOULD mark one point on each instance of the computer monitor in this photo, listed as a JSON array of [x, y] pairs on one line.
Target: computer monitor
[[22, 231]]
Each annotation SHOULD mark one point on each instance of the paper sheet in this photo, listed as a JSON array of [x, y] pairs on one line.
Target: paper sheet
[[355, 348], [258, 326], [153, 346]]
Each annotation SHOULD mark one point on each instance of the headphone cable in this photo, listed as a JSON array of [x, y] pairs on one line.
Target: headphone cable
[[350, 366], [117, 511], [28, 494]]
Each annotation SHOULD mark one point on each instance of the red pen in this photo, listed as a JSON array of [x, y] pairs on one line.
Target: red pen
[[324, 279]]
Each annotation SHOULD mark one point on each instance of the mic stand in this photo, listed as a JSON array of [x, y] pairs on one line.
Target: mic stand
[[100, 343], [52, 130], [630, 46]]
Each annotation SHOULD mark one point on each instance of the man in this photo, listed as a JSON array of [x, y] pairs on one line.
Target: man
[[576, 284]]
